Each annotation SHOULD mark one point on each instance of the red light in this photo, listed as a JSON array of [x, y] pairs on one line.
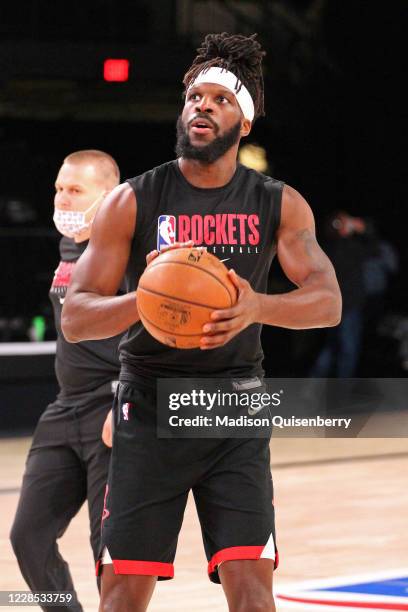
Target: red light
[[116, 70]]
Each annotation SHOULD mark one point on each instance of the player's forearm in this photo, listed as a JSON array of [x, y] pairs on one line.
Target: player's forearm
[[304, 308], [87, 316]]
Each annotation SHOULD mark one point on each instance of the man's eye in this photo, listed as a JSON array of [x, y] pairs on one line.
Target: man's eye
[[222, 99], [193, 96]]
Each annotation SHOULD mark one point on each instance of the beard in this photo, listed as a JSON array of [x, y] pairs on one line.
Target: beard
[[208, 153]]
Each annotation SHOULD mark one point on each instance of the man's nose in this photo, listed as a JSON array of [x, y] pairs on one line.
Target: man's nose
[[61, 200], [204, 105]]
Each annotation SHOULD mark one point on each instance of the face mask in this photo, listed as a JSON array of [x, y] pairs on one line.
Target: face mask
[[70, 223]]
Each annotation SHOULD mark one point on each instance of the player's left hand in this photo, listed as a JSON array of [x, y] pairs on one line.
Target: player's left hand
[[227, 323], [177, 245]]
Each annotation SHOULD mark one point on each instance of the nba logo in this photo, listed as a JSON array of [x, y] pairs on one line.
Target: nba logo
[[166, 231], [125, 411]]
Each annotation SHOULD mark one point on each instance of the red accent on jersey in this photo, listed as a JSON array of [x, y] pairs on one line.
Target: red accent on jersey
[[253, 221], [231, 229], [62, 275], [242, 233], [220, 229], [183, 228], [209, 226]]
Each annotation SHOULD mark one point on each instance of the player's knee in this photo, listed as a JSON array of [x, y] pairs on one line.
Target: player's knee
[[261, 605], [18, 539], [117, 600], [25, 540], [255, 602], [111, 601]]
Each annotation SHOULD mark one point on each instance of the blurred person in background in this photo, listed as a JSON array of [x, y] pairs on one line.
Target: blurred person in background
[[68, 460], [378, 270], [349, 244]]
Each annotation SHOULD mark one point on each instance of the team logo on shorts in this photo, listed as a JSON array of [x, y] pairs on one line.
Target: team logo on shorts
[[105, 512], [125, 410], [166, 231]]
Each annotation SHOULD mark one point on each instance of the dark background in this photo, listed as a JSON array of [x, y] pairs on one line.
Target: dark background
[[333, 125]]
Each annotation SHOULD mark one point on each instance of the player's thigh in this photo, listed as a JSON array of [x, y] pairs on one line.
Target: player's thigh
[[147, 491], [53, 489], [97, 467], [144, 503], [235, 505]]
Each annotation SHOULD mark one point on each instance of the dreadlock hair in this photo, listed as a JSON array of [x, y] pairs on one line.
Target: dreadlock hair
[[241, 55]]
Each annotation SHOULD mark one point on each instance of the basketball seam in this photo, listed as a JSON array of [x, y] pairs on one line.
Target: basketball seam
[[183, 263], [177, 299], [166, 331]]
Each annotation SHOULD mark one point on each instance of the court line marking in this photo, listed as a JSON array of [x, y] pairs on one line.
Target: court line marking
[[296, 464], [311, 588], [334, 460], [9, 490]]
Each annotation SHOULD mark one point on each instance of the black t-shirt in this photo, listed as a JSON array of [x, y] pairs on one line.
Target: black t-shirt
[[83, 368], [348, 256], [237, 223]]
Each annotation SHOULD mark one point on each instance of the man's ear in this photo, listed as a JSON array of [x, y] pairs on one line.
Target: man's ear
[[245, 127]]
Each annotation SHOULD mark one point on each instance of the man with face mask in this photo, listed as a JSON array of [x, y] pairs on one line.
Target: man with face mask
[[68, 461]]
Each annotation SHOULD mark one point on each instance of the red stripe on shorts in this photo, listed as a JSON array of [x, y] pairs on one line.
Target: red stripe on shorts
[[235, 553], [141, 568]]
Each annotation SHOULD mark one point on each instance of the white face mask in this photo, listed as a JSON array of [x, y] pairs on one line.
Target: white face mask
[[71, 223]]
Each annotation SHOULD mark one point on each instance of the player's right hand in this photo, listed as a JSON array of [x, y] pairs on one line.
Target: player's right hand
[[177, 245]]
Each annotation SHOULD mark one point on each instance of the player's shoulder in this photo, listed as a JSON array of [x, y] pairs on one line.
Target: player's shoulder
[[261, 180], [292, 199], [120, 199], [151, 177], [294, 206]]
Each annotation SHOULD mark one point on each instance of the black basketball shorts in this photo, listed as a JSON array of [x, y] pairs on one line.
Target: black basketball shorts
[[148, 485]]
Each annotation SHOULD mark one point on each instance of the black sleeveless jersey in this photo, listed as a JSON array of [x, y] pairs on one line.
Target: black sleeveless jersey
[[237, 223], [85, 367]]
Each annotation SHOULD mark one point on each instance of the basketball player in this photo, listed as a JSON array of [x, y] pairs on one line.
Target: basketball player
[[242, 216], [68, 461]]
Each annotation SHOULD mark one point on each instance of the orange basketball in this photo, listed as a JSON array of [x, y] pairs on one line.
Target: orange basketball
[[178, 292]]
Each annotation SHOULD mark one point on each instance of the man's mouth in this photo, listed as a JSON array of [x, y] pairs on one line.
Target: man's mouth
[[201, 126]]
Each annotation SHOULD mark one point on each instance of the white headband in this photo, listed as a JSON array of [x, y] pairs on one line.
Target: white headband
[[227, 79]]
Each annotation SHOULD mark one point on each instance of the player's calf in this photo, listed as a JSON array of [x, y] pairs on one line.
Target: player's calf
[[125, 593]]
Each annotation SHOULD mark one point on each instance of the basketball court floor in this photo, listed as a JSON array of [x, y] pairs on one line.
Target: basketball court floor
[[342, 510]]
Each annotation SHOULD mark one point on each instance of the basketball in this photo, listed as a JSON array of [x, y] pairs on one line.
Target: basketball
[[178, 292]]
